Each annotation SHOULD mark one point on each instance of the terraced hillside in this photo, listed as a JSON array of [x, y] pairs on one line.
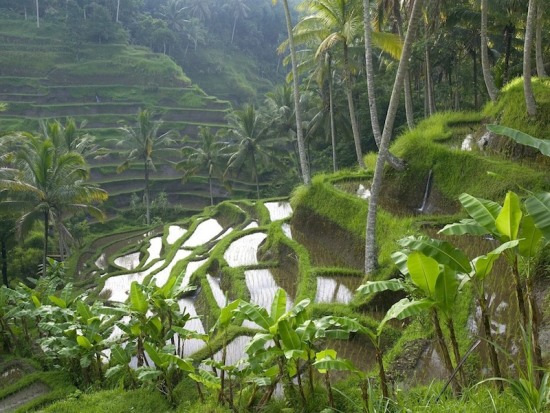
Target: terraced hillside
[[43, 76]]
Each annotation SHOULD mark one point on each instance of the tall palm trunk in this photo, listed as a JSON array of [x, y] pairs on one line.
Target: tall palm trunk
[[373, 108], [541, 71], [299, 131], [4, 262], [351, 109], [509, 31], [37, 15], [371, 261], [117, 9], [487, 76], [527, 86], [146, 199], [331, 113], [430, 103], [210, 187], [234, 26], [45, 252]]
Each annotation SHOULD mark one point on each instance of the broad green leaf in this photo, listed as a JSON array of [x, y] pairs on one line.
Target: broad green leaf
[[298, 310], [509, 218], [154, 324], [58, 301], [529, 236], [327, 364], [85, 361], [115, 371], [155, 356], [378, 286], [278, 306], [67, 292], [183, 364], [35, 301], [306, 331], [289, 337], [442, 251], [256, 314], [84, 311], [484, 212], [148, 374], [84, 342], [226, 314], [538, 206], [483, 265], [520, 137], [138, 301], [400, 260], [295, 354], [327, 353], [465, 226], [403, 309], [446, 290], [206, 378], [257, 343], [120, 355], [423, 271]]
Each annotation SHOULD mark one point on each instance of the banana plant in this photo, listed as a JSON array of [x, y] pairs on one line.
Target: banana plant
[[509, 223]]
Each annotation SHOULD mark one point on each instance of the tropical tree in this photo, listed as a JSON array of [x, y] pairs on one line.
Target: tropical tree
[[541, 71], [211, 154], [46, 185], [239, 10], [487, 76], [336, 22], [68, 137], [304, 165], [527, 47], [254, 142], [370, 246], [146, 144]]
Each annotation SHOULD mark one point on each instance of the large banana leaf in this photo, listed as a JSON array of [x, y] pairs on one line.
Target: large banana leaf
[[542, 145], [446, 290], [465, 226], [483, 211], [483, 265], [509, 218], [138, 301], [424, 272], [278, 306], [206, 378], [403, 309], [538, 206], [256, 314], [442, 251], [289, 337], [529, 236], [378, 286]]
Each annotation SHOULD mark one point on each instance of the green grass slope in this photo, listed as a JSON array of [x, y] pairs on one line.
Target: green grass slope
[[43, 76]]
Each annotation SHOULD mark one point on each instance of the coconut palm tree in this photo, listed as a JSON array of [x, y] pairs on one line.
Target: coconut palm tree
[[337, 22], [47, 184], [370, 244], [240, 11], [528, 45], [146, 143], [254, 143], [210, 155], [304, 165], [67, 137], [487, 76]]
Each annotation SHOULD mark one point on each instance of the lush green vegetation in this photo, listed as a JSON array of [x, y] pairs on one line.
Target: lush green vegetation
[[138, 318]]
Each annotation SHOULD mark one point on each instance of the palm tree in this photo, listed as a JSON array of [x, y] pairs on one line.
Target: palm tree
[[46, 184], [240, 10], [527, 87], [487, 76], [173, 13], [541, 71], [66, 137], [370, 242], [210, 155], [337, 22], [254, 142], [146, 144], [304, 165]]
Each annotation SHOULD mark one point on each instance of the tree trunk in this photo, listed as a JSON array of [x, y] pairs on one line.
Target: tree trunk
[[487, 76], [210, 188], [4, 262], [527, 86], [373, 107], [37, 15], [486, 322], [509, 31], [331, 113], [429, 87], [371, 258], [45, 253], [382, 374], [456, 349], [444, 351], [255, 170], [146, 199], [299, 132], [351, 108], [541, 72], [234, 26], [117, 9], [476, 98]]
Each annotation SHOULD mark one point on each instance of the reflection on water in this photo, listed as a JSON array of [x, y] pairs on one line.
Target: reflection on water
[[286, 230], [162, 276], [336, 289], [253, 224], [101, 262], [243, 251], [204, 232], [119, 286], [128, 262], [192, 345], [217, 292], [175, 232], [155, 246], [278, 210]]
